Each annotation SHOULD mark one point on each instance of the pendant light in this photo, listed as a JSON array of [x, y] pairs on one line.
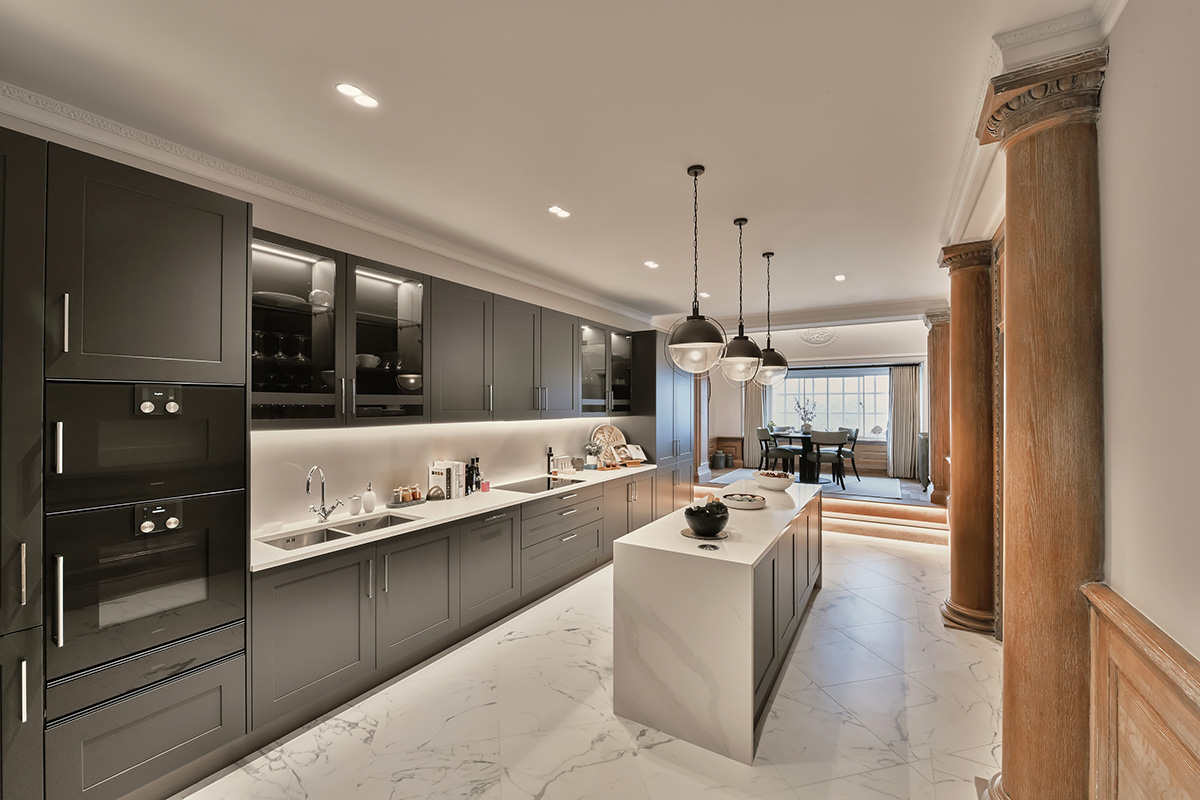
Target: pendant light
[[774, 364], [742, 356], [695, 343]]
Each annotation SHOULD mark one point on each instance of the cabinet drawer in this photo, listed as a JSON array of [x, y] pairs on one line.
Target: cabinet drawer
[[544, 561], [558, 502], [121, 747], [547, 526]]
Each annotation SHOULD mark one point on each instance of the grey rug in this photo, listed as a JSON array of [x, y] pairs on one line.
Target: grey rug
[[888, 488]]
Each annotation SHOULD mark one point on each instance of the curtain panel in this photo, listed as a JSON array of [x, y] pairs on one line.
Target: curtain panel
[[752, 420], [904, 415]]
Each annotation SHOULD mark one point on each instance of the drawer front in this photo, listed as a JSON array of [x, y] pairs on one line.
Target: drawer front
[[538, 563], [558, 502], [112, 751], [547, 526]]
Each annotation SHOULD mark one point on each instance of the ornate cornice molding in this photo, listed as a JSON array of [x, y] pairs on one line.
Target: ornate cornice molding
[[974, 162], [1065, 89], [970, 255], [50, 113], [937, 318]]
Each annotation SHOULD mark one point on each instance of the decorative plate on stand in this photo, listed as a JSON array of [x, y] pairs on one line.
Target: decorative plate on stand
[[608, 437]]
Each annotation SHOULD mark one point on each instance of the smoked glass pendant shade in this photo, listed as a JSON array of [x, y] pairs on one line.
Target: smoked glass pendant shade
[[695, 344], [741, 361], [774, 368]]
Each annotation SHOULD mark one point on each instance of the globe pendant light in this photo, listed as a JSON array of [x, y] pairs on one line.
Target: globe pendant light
[[774, 364], [695, 343], [742, 357]]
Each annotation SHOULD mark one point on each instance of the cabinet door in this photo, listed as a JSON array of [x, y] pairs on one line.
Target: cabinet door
[[460, 322], [418, 592], [312, 629], [800, 533], [145, 276], [664, 489], [490, 555], [22, 239], [21, 721], [517, 361], [641, 510], [560, 365], [594, 382], [685, 483], [785, 587], [813, 521], [763, 624], [620, 373], [618, 500], [683, 413]]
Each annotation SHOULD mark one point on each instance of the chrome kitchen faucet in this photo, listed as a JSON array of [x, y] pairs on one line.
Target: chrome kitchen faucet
[[321, 512]]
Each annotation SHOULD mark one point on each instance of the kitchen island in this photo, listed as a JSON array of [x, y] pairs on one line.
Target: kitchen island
[[701, 629]]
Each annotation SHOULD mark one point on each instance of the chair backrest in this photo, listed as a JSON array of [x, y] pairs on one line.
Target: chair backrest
[[764, 435], [851, 438], [829, 437]]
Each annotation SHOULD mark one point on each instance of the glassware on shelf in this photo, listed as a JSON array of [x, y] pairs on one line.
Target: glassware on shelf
[[278, 339], [258, 345], [301, 341]]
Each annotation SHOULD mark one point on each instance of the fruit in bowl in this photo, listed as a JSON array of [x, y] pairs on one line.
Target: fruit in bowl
[[707, 520], [775, 481]]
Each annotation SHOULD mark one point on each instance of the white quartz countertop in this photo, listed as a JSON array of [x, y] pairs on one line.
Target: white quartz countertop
[[425, 516], [751, 533]]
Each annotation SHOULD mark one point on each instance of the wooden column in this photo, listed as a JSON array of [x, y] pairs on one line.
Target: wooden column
[[938, 324], [972, 597], [1045, 117]]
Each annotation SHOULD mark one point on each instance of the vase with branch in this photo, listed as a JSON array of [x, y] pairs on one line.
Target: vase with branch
[[592, 450], [807, 410]]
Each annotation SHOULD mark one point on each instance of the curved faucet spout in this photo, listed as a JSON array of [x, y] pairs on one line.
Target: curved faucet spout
[[322, 512]]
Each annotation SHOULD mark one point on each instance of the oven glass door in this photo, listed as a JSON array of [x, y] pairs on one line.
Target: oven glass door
[[110, 443], [116, 590]]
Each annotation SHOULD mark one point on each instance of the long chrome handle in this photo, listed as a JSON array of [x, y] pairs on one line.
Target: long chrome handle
[[493, 519], [568, 538], [58, 447], [24, 691], [568, 512], [569, 496], [636, 491], [629, 493], [385, 572], [545, 398], [537, 398], [343, 398], [353, 396], [490, 404], [24, 575], [60, 637], [370, 579], [66, 322]]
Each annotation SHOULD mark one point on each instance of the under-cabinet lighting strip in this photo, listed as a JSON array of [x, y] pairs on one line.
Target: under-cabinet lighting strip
[[262, 248], [384, 278]]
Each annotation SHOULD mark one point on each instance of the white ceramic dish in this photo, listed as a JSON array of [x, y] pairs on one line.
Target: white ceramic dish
[[366, 360], [774, 484], [745, 502]]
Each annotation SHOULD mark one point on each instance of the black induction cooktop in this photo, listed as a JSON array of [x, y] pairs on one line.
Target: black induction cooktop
[[535, 485]]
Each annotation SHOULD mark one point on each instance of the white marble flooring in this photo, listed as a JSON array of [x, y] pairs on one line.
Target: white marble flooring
[[879, 700]]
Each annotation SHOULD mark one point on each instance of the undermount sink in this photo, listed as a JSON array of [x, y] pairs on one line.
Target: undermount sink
[[368, 525], [294, 541]]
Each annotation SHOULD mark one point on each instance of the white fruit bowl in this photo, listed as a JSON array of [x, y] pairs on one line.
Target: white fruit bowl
[[773, 483]]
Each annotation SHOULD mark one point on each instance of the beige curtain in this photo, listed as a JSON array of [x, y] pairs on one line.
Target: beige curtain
[[752, 420], [904, 421]]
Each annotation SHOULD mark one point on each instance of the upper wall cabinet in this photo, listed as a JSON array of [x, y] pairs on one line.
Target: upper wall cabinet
[[606, 369], [145, 276], [561, 396], [460, 323], [517, 359]]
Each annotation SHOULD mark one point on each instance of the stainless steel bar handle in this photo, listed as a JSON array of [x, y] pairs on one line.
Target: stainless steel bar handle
[[24, 575], [343, 398], [493, 519], [490, 405], [629, 493], [569, 496], [568, 512], [537, 398], [545, 398], [568, 538], [385, 572], [66, 322], [636, 491], [58, 447], [370, 579], [353, 396], [24, 691], [60, 637]]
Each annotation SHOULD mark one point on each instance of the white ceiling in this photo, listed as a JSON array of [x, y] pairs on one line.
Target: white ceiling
[[835, 127]]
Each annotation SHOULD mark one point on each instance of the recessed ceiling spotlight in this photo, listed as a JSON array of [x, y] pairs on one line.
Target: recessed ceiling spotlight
[[704, 294], [651, 265], [349, 89], [366, 101], [839, 277], [562, 212]]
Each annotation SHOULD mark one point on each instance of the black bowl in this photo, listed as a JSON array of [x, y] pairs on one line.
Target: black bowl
[[705, 523]]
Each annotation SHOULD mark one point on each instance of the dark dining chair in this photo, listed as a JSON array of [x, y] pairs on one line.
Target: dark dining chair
[[832, 442], [770, 452], [848, 448]]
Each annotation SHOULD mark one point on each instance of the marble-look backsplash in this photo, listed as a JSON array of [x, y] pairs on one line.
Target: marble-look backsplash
[[394, 456]]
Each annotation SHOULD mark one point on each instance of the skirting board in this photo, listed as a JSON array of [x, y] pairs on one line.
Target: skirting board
[[1145, 738]]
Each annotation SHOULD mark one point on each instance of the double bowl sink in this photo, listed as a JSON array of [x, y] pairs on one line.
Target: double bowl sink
[[295, 541]]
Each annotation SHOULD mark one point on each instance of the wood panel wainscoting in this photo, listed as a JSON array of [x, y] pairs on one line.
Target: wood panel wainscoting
[[1145, 715], [731, 444]]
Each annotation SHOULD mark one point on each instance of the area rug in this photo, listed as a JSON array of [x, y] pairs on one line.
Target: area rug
[[868, 487]]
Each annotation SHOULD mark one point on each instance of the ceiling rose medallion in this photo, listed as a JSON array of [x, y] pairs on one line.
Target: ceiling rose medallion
[[816, 337]]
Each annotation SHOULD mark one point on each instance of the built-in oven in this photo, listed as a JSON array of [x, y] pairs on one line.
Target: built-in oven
[[130, 578], [111, 443]]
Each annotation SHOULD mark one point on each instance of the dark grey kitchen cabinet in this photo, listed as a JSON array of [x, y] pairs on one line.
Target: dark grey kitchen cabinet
[[145, 276], [21, 721], [417, 592], [628, 505], [683, 413], [121, 747], [787, 613], [801, 532], [517, 359], [460, 323], [812, 521], [552, 562], [662, 420], [22, 243], [490, 557], [606, 370], [560, 365], [766, 643], [312, 630]]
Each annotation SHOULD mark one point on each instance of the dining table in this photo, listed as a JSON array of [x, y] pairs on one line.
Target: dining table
[[809, 471]]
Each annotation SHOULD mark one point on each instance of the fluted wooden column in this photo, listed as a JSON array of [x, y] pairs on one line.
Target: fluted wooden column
[[938, 324], [1045, 117], [971, 604]]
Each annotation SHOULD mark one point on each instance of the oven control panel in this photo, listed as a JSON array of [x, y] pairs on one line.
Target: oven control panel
[[158, 517], [157, 400]]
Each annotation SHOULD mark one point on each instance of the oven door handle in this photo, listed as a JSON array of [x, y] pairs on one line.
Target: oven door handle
[[60, 637]]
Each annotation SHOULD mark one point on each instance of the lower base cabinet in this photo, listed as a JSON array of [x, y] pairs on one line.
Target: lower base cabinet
[[417, 591], [21, 680], [119, 748], [551, 562], [491, 563], [628, 505], [674, 486]]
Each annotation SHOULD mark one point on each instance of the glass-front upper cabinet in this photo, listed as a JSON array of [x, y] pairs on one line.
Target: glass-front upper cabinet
[[386, 343], [605, 370], [296, 352], [620, 370]]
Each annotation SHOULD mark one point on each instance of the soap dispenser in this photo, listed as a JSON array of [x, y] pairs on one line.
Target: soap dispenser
[[368, 499]]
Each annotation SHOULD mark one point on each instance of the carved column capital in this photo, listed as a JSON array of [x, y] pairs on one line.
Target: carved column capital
[[936, 318], [970, 255], [1065, 89]]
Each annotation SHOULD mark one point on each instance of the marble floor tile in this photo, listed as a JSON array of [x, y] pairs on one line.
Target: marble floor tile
[[905, 646], [533, 699], [892, 783], [833, 658], [852, 575], [900, 599], [431, 712], [954, 776], [988, 755], [591, 762], [841, 609], [674, 769], [466, 771]]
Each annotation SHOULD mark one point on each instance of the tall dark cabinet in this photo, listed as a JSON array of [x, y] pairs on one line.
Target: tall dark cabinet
[[22, 239], [461, 328], [517, 359], [130, 289], [560, 365], [662, 420]]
